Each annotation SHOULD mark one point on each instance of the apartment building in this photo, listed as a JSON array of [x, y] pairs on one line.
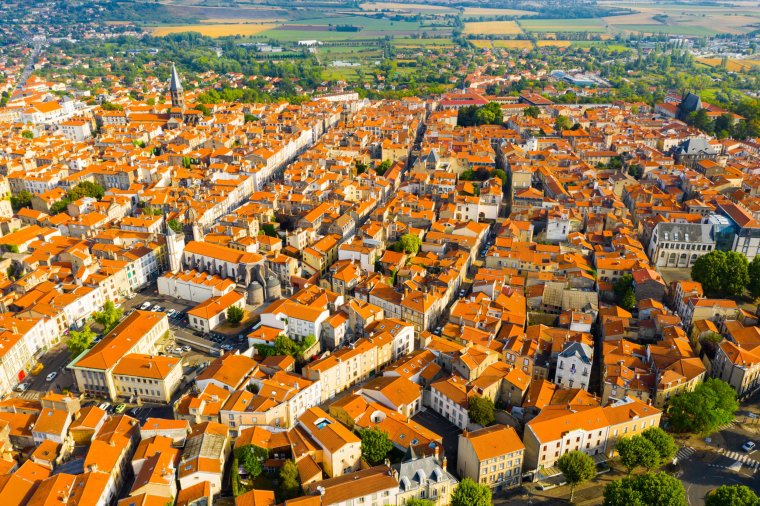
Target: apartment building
[[492, 456]]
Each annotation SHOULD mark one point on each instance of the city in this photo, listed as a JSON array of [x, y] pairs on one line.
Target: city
[[379, 254]]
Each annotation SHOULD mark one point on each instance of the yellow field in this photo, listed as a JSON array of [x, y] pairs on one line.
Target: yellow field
[[484, 11], [240, 21], [217, 30], [492, 28], [732, 64], [553, 43], [482, 44], [513, 44]]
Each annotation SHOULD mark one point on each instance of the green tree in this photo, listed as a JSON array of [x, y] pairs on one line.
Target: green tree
[[469, 493], [269, 229], [732, 495], [410, 243], [175, 225], [383, 167], [637, 451], [375, 445], [701, 411], [754, 277], [252, 458], [628, 301], [722, 273], [663, 442], [235, 314], [532, 111], [79, 341], [289, 484], [109, 317], [361, 167], [414, 501], [651, 489], [622, 285], [481, 410], [577, 467], [21, 199], [562, 123], [27, 134]]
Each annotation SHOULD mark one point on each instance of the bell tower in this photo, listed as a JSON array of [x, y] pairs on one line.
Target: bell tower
[[176, 91]]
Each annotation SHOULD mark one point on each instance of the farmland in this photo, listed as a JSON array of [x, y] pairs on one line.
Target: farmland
[[403, 7], [474, 12], [670, 30], [592, 25], [216, 30], [492, 28], [732, 65]]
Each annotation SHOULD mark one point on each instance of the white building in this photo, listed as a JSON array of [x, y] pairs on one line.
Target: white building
[[194, 286], [211, 313], [574, 365], [680, 244]]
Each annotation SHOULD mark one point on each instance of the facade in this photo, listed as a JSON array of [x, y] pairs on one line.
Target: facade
[[211, 313], [492, 456], [678, 245], [574, 365]]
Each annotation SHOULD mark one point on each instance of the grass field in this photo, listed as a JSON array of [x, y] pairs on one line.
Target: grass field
[[215, 30], [492, 28], [471, 12], [409, 42], [371, 28], [562, 25]]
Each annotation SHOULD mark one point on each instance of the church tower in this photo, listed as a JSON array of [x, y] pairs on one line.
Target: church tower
[[175, 244], [176, 91]]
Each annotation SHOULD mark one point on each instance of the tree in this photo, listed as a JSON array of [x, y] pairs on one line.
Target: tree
[[577, 468], [269, 230], [732, 495], [473, 115], [414, 501], [235, 314], [252, 459], [21, 199], [175, 225], [710, 405], [663, 442], [410, 243], [651, 489], [79, 341], [722, 273], [562, 123], [375, 445], [27, 134], [289, 485], [109, 317], [532, 111], [481, 410], [637, 451], [754, 277], [383, 167], [628, 301], [469, 493]]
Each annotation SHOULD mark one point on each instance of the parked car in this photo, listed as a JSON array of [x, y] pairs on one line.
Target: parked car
[[105, 406], [145, 306], [186, 348], [51, 376], [120, 408], [749, 446], [171, 313], [22, 387]]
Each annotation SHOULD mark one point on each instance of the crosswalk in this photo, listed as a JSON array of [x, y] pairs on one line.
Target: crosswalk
[[685, 452], [725, 426], [743, 458]]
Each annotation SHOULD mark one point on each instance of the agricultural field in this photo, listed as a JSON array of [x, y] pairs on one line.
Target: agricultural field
[[371, 28], [409, 42], [475, 12], [553, 43], [699, 31], [512, 44], [215, 30], [592, 25], [402, 7], [482, 44], [492, 28], [732, 64], [680, 19]]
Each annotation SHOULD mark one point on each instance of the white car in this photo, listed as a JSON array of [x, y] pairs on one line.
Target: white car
[[51, 376], [22, 387], [145, 306], [749, 446]]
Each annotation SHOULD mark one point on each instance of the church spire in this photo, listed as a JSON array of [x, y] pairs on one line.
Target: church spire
[[176, 91]]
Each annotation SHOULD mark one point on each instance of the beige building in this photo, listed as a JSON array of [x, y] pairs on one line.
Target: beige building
[[147, 377], [491, 456], [424, 478], [737, 366], [137, 334], [340, 448]]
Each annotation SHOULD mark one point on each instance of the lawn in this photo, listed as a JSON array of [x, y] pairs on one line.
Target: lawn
[[492, 28], [563, 25], [215, 30]]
